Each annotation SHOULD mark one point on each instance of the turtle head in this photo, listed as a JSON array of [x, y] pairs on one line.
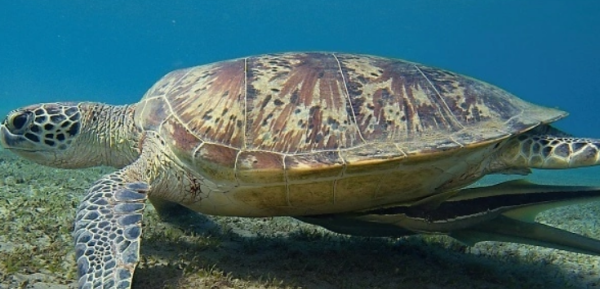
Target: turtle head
[[44, 133]]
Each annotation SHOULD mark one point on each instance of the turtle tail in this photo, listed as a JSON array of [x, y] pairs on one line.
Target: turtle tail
[[549, 148]]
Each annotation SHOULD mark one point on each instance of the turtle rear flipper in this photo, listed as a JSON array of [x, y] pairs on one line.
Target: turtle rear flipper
[[107, 231]]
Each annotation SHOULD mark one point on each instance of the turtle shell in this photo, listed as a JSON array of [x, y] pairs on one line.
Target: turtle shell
[[326, 122]]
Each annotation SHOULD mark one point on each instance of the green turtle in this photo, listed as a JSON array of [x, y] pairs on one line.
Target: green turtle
[[360, 144]]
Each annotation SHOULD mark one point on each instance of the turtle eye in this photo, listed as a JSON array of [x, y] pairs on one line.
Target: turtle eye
[[20, 121]]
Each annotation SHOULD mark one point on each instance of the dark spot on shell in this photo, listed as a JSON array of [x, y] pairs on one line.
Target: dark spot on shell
[[207, 115], [266, 120], [295, 96], [354, 88], [333, 123], [266, 101], [318, 137], [314, 109], [251, 92]]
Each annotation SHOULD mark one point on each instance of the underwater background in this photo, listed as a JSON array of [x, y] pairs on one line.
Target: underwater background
[[543, 51]]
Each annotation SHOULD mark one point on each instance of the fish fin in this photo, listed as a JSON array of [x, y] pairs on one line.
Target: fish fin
[[506, 229], [433, 202]]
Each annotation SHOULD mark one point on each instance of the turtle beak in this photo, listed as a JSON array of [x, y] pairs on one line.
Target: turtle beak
[[11, 141], [504, 212], [6, 138]]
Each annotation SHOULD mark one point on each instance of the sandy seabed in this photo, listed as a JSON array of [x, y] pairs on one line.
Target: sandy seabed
[[37, 210]]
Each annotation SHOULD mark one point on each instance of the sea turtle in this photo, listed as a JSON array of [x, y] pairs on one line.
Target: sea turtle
[[360, 144]]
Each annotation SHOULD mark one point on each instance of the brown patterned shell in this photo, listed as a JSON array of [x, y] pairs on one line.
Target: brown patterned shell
[[299, 117]]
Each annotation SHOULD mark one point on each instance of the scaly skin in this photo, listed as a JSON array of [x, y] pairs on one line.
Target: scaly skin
[[107, 232], [109, 220]]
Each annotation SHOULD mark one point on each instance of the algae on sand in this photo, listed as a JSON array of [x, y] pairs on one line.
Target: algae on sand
[[37, 209]]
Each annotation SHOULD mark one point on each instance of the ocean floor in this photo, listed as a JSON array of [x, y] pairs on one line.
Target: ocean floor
[[37, 209]]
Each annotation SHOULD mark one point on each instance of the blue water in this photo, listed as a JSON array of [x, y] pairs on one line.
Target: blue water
[[112, 51], [544, 51]]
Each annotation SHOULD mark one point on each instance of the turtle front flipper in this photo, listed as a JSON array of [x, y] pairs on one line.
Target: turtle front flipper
[[504, 212], [107, 231], [546, 147]]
